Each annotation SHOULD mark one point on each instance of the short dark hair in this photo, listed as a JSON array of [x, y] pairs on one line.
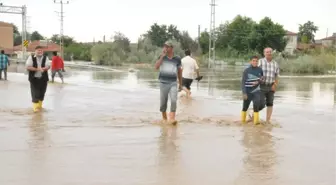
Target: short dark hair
[[2, 51], [54, 53], [38, 47], [254, 57], [187, 52]]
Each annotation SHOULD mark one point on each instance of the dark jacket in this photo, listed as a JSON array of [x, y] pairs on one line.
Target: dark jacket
[[31, 75]]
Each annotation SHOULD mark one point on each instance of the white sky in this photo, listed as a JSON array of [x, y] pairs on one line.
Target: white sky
[[85, 19]]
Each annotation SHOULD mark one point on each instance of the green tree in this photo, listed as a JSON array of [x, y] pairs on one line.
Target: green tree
[[222, 38], [173, 33], [204, 42], [66, 40], [79, 51], [122, 41], [238, 33], [268, 34], [36, 36], [307, 32], [158, 34], [187, 42], [17, 38]]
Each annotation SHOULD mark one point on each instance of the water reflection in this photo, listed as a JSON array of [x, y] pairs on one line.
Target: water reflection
[[39, 144], [322, 94], [260, 157], [169, 169], [38, 129], [107, 76], [131, 81]]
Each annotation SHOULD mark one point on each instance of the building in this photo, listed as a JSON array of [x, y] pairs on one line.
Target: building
[[291, 43], [6, 36], [49, 47], [329, 41]]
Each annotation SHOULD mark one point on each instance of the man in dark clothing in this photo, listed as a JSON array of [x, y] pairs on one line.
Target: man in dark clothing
[[252, 77], [38, 66]]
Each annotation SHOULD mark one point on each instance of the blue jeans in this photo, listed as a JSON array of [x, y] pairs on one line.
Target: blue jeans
[[168, 89]]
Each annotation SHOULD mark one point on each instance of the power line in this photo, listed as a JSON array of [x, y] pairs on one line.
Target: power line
[[61, 27]]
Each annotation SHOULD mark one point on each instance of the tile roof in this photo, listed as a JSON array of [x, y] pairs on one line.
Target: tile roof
[[290, 33], [49, 46], [5, 24]]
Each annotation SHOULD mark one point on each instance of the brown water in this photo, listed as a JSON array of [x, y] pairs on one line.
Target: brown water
[[99, 129]]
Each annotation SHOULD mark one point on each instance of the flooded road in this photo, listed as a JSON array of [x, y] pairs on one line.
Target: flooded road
[[99, 129]]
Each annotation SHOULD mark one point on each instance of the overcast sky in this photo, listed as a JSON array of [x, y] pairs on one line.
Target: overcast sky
[[85, 19]]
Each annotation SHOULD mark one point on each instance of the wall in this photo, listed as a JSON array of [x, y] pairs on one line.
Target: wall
[[291, 44], [327, 43], [6, 36]]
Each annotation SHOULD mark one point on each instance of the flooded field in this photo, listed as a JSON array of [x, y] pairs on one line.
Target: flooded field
[[99, 129]]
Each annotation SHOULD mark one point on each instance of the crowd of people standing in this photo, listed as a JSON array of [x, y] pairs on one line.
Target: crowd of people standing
[[259, 80]]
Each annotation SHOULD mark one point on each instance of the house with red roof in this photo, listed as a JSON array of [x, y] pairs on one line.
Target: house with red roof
[[48, 46], [329, 41]]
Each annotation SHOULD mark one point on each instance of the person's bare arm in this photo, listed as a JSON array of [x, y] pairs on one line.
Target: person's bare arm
[[197, 69], [159, 62], [276, 81], [179, 73]]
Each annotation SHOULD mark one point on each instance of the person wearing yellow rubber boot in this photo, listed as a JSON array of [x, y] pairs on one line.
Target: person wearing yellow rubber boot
[[38, 65], [252, 77]]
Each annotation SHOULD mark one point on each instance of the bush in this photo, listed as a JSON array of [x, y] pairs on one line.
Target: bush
[[319, 64]]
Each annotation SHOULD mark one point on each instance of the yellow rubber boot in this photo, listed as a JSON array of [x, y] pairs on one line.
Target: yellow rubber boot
[[40, 104], [36, 107], [256, 120], [243, 116]]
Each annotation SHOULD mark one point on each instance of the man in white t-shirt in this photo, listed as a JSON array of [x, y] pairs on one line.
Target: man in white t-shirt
[[189, 67]]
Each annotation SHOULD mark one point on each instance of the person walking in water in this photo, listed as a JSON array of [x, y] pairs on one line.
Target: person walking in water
[[189, 67], [38, 65], [252, 77], [57, 66], [271, 73], [4, 63], [170, 69]]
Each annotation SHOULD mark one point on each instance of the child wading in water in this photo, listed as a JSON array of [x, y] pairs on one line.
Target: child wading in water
[[252, 76]]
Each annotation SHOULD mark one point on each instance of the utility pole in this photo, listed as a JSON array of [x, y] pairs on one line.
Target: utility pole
[[212, 39], [61, 28], [199, 33], [21, 10], [327, 33]]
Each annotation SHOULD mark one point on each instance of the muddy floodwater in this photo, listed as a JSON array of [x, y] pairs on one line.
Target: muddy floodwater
[[100, 129]]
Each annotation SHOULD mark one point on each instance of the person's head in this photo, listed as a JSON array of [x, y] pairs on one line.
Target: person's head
[[39, 51], [2, 51], [55, 53], [187, 52], [169, 47], [268, 53], [254, 61]]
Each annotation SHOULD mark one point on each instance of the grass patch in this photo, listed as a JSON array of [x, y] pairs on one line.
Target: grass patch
[[312, 64]]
